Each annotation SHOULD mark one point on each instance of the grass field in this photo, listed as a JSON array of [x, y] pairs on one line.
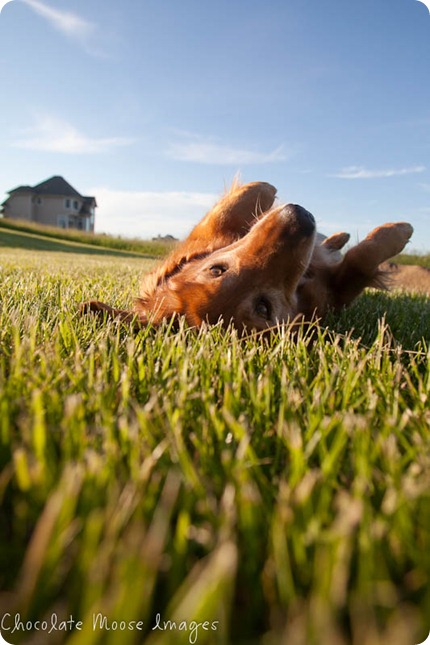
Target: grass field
[[35, 242], [55, 235], [247, 492]]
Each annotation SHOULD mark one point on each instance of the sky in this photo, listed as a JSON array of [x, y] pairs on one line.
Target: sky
[[155, 106]]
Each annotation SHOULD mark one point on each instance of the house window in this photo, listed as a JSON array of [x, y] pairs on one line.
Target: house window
[[38, 200], [67, 203], [75, 204]]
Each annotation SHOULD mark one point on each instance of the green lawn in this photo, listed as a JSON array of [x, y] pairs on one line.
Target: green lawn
[[35, 242], [247, 491], [31, 230], [420, 259]]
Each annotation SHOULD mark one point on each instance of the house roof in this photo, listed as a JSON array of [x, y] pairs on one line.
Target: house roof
[[21, 189], [56, 185]]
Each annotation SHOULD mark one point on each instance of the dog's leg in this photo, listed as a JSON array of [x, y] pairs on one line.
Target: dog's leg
[[360, 267], [100, 308]]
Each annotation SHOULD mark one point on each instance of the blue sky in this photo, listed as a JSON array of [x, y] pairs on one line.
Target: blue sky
[[154, 106]]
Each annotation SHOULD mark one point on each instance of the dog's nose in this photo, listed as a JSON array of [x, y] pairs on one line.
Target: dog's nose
[[302, 219]]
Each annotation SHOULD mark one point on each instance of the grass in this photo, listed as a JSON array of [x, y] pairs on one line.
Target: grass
[[420, 259], [35, 242], [248, 492], [153, 248]]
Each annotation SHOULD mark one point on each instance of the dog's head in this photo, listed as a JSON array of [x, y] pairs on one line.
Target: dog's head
[[256, 265], [251, 282]]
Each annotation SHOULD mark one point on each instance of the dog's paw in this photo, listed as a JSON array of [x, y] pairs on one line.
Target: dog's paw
[[391, 238], [93, 307]]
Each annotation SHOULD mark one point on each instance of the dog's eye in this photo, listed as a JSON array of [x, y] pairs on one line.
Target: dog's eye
[[263, 308], [217, 270]]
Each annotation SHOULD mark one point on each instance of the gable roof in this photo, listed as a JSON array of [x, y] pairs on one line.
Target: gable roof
[[56, 185], [21, 189]]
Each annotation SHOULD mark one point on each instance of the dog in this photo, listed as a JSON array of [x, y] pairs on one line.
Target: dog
[[257, 265]]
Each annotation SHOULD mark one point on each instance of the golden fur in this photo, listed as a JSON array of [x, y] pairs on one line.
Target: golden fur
[[258, 265]]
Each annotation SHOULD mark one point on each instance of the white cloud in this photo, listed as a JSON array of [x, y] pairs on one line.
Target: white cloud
[[70, 24], [195, 148], [147, 214], [51, 134], [65, 21], [358, 172]]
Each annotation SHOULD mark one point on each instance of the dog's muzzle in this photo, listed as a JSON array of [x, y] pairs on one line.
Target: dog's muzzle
[[298, 220]]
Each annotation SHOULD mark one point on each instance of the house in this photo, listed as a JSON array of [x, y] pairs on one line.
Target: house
[[54, 202]]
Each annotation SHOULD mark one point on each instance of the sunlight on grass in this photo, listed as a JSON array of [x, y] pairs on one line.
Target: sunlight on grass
[[236, 491]]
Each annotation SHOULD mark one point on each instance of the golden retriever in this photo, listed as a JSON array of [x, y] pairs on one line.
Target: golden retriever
[[257, 265]]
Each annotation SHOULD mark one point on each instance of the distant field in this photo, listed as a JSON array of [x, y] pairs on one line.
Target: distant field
[[152, 248], [248, 492], [422, 259], [34, 242]]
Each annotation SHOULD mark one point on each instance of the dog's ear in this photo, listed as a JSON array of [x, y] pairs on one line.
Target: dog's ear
[[102, 309], [236, 212], [360, 266]]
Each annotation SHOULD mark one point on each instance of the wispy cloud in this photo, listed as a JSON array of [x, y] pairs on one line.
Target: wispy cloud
[[194, 148], [147, 214], [50, 134], [65, 21], [358, 172], [69, 24]]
